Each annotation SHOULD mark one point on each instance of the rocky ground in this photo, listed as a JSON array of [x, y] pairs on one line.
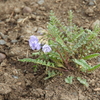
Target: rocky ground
[[19, 19]]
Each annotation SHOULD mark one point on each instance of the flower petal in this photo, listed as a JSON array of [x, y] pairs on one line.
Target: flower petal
[[46, 48], [33, 43]]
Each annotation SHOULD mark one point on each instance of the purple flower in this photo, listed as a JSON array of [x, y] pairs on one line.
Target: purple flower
[[33, 43], [46, 48]]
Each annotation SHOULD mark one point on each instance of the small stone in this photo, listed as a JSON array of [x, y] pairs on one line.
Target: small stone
[[27, 10], [95, 24], [38, 18], [86, 26], [3, 63], [35, 29], [8, 20], [98, 59], [40, 2], [17, 10], [38, 92], [16, 77], [91, 3], [77, 22], [89, 12], [2, 42], [16, 16], [1, 34], [19, 83], [2, 56], [86, 20], [33, 16], [14, 41], [19, 20], [12, 20], [92, 82], [74, 7], [28, 82], [4, 88]]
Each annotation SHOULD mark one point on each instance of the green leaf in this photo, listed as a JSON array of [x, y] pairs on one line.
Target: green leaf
[[69, 79], [50, 74], [94, 67], [83, 64], [26, 60], [83, 81], [38, 61], [91, 56]]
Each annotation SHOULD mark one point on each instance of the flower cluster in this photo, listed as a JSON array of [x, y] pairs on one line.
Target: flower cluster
[[35, 45]]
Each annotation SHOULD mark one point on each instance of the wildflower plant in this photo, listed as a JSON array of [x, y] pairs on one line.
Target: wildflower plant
[[65, 45]]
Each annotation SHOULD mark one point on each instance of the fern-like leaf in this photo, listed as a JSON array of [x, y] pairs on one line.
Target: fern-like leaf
[[38, 61]]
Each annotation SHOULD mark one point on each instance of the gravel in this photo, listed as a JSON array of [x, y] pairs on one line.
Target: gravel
[[2, 42], [2, 57], [40, 2]]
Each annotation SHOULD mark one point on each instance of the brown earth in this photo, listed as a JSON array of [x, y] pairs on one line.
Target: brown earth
[[20, 19]]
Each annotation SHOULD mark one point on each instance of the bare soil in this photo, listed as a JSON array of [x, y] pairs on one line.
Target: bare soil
[[19, 19]]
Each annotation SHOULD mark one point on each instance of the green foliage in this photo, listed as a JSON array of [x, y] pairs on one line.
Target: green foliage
[[91, 56], [38, 61], [85, 66], [69, 79], [69, 44], [50, 74], [71, 41], [94, 68], [82, 81]]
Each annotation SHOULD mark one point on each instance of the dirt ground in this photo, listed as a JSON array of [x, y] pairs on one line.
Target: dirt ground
[[19, 19]]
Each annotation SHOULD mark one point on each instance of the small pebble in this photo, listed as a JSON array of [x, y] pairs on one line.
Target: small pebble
[[19, 20], [2, 42], [27, 10], [2, 57], [17, 10], [14, 41], [4, 89], [33, 16], [40, 2], [98, 59], [91, 3], [89, 12], [16, 16], [2, 35], [15, 76], [35, 29]]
